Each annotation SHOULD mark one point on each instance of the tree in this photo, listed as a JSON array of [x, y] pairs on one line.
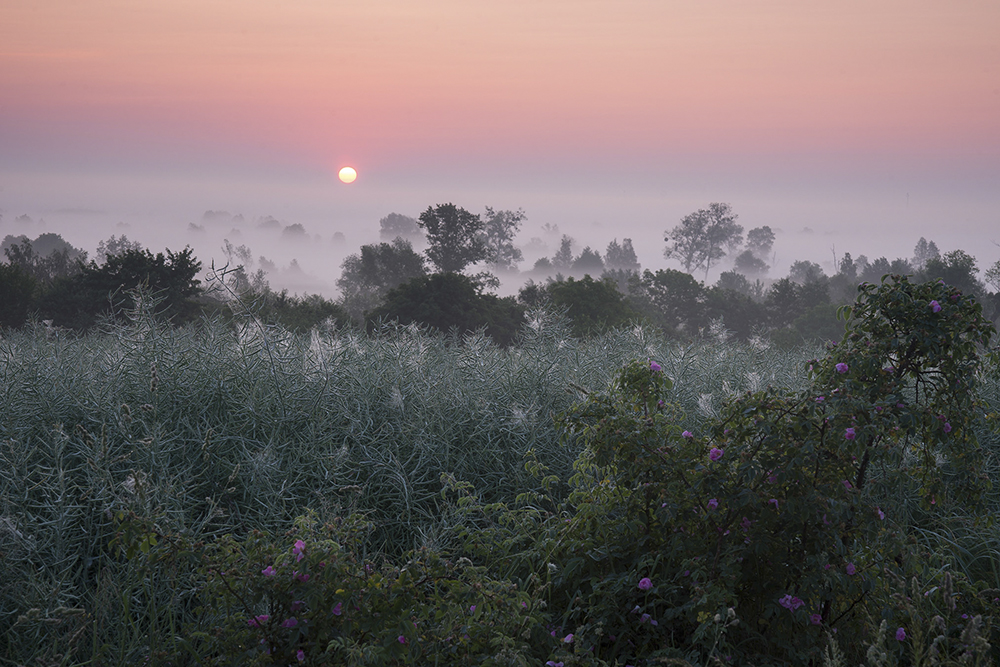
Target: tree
[[116, 246], [447, 301], [589, 262], [748, 264], [563, 259], [760, 240], [397, 225], [500, 228], [455, 237], [594, 306], [673, 299], [79, 300], [368, 276], [700, 238], [621, 257], [923, 252], [17, 290], [956, 268], [992, 276], [46, 258], [804, 271]]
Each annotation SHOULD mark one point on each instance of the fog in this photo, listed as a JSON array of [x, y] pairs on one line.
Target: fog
[[305, 222]]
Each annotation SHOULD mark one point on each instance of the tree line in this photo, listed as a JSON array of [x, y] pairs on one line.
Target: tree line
[[49, 280]]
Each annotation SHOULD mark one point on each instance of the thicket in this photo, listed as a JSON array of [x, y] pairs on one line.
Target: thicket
[[152, 476]]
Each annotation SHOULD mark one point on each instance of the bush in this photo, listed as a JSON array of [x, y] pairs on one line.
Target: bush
[[773, 527]]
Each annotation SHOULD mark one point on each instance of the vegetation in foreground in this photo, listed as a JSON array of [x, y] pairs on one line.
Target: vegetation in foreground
[[152, 476]]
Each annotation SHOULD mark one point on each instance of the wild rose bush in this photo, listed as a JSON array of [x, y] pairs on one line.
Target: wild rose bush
[[313, 598], [773, 529]]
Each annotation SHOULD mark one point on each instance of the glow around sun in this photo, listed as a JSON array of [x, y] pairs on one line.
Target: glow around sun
[[348, 174]]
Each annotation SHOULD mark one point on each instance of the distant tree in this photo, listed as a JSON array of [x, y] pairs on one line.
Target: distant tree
[[533, 295], [298, 314], [804, 271], [700, 238], [500, 228], [294, 232], [455, 237], [589, 262], [672, 299], [447, 301], [957, 268], [116, 246], [543, 267], [873, 271], [760, 240], [750, 265], [78, 301], [368, 276], [739, 312], [923, 252], [992, 276], [621, 257], [738, 282], [563, 259], [46, 258], [782, 302], [594, 306], [396, 225], [847, 267]]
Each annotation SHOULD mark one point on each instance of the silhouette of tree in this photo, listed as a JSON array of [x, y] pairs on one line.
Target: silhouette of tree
[[700, 238], [455, 237]]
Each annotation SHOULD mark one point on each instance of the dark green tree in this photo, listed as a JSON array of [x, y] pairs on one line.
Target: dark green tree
[[370, 274], [455, 237], [748, 264], [451, 301], [672, 299], [957, 268], [79, 301], [563, 259], [760, 240], [594, 306]]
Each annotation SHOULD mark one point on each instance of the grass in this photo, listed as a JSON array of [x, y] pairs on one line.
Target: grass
[[212, 430]]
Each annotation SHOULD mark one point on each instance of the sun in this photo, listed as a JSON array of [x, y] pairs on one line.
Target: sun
[[348, 174]]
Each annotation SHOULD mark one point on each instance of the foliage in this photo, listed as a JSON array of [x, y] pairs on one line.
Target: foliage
[[956, 268], [500, 229], [17, 291], [78, 302], [450, 301], [672, 299], [700, 238], [752, 538], [368, 276], [563, 259], [454, 236], [594, 306], [396, 225], [589, 262], [621, 257], [46, 258]]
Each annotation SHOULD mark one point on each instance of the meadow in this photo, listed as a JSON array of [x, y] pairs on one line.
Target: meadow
[[216, 429]]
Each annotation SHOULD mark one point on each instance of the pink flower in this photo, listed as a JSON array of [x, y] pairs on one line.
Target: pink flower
[[300, 656], [687, 434], [816, 619], [338, 609], [290, 622], [773, 501], [935, 307], [268, 571], [297, 550], [715, 453], [790, 603], [645, 584], [881, 514], [655, 367], [256, 621], [900, 634], [947, 427], [746, 523], [849, 433], [713, 504], [568, 639], [300, 577], [850, 569], [841, 367], [848, 485], [401, 639], [298, 606], [820, 399]]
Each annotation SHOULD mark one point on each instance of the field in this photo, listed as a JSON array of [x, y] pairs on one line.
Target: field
[[210, 430]]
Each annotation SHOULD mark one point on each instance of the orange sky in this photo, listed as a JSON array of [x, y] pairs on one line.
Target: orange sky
[[400, 80]]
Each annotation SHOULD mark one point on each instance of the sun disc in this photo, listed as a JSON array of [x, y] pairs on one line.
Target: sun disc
[[348, 174]]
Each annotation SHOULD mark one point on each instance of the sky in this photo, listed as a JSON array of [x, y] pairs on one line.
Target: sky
[[857, 126]]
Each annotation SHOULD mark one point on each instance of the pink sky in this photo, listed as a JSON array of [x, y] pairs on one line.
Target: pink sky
[[893, 97]]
